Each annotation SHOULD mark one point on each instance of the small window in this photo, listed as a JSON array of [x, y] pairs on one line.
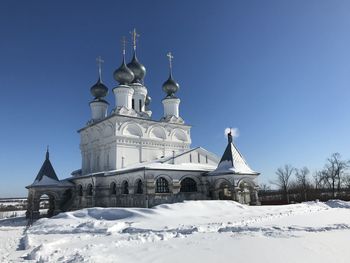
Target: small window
[[98, 163], [188, 185], [206, 158], [190, 158], [89, 190], [139, 187], [125, 188], [162, 185], [133, 104], [199, 158], [80, 190], [113, 188], [107, 162], [140, 105]]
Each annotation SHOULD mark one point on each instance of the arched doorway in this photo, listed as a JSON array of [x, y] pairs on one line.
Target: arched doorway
[[46, 205], [246, 192], [224, 191]]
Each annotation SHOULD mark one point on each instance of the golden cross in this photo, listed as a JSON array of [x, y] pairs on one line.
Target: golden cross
[[134, 36], [170, 56], [99, 61]]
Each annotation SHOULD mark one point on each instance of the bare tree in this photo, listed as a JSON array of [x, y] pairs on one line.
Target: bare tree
[[264, 187], [334, 172], [346, 181], [303, 180], [283, 179], [318, 179]]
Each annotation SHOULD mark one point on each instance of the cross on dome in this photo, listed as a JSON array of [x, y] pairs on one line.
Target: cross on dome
[[134, 36], [123, 44], [170, 57], [99, 62]]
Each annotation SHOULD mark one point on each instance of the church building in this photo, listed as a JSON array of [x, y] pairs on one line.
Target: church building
[[132, 160]]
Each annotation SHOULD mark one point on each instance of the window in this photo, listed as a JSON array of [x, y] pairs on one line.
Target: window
[[139, 187], [133, 104], [125, 188], [98, 163], [89, 190], [188, 185], [107, 162], [206, 158], [113, 188], [140, 105], [199, 158], [80, 190], [162, 185], [190, 158]]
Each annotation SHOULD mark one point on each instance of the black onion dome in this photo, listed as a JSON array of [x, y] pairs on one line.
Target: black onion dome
[[137, 68], [99, 90], [123, 74], [170, 87]]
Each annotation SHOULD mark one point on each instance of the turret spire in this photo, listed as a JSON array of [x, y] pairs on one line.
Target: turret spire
[[47, 152], [229, 137]]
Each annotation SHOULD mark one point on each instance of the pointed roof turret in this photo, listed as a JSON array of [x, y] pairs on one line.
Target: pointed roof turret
[[46, 170], [232, 161]]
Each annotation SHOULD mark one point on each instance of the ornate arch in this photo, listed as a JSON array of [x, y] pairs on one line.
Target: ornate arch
[[178, 135], [131, 129], [157, 132], [246, 180]]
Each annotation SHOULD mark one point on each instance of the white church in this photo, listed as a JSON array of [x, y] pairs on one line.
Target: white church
[[132, 160]]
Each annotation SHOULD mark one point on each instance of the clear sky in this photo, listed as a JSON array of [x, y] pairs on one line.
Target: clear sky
[[279, 71]]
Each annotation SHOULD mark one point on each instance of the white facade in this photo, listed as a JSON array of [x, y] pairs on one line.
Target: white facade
[[120, 141]]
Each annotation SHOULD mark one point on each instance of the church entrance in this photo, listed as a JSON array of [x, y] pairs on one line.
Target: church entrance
[[246, 193], [224, 192], [46, 205]]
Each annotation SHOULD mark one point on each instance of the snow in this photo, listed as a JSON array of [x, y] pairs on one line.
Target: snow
[[45, 180], [234, 164], [192, 231]]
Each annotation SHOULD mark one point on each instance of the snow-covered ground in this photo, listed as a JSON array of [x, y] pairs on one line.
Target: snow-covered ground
[[193, 231]]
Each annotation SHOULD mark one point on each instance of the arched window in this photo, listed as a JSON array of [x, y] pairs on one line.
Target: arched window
[[89, 190], [113, 188], [125, 188], [80, 190], [188, 185], [139, 187], [162, 185]]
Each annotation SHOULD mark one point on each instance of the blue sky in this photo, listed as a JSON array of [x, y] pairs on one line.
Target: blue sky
[[279, 71]]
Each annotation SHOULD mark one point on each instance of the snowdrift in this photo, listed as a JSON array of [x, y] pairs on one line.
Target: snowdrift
[[113, 234]]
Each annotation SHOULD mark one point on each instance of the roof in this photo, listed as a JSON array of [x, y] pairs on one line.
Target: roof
[[112, 115], [47, 176], [46, 170], [232, 161]]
